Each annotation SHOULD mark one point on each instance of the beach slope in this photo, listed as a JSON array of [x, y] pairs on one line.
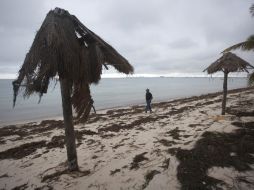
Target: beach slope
[[183, 144]]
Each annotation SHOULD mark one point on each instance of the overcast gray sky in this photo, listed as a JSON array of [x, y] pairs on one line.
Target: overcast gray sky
[[156, 36]]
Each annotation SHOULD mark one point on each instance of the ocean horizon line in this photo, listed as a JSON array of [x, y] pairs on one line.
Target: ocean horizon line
[[155, 76]]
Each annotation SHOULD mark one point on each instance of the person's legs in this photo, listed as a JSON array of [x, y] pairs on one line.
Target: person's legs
[[148, 106]]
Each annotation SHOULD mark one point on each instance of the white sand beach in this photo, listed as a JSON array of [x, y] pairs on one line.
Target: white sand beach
[[127, 148]]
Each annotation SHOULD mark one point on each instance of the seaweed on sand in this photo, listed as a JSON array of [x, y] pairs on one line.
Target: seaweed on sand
[[175, 133], [148, 177], [166, 142], [56, 142], [137, 159], [22, 150], [117, 127], [215, 149], [57, 174]]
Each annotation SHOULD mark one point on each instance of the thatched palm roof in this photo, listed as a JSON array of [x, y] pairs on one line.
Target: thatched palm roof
[[64, 47], [229, 62]]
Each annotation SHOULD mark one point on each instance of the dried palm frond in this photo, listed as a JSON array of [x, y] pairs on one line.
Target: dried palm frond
[[251, 79], [252, 10], [63, 47], [245, 46], [81, 100]]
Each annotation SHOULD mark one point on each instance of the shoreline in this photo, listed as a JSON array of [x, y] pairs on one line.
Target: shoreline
[[99, 111], [162, 89]]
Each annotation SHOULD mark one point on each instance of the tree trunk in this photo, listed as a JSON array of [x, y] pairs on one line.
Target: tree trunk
[[68, 124], [225, 90]]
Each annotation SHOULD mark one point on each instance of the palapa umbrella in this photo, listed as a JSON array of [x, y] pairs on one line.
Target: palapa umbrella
[[229, 62], [63, 47]]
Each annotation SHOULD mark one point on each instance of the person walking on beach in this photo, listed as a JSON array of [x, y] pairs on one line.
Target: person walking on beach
[[149, 98]]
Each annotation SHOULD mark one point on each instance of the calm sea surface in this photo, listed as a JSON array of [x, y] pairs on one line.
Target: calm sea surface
[[107, 94]]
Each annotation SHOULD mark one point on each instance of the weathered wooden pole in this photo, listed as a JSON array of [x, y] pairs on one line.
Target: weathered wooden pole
[[225, 91], [68, 124]]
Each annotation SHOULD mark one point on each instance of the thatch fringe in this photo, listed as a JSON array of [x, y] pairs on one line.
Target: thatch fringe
[[251, 79], [63, 47]]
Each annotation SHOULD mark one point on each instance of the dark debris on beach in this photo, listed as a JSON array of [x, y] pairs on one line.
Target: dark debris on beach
[[216, 149], [213, 149]]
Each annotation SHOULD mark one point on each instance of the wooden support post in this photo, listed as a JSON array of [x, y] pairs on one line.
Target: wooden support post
[[225, 91], [68, 124]]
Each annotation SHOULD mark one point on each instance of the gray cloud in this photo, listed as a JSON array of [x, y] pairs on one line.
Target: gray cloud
[[183, 43], [157, 37], [20, 14]]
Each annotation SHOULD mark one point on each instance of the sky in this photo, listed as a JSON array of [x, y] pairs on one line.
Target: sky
[[158, 37]]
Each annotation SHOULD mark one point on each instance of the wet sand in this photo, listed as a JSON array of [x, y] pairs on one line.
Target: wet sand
[[183, 144]]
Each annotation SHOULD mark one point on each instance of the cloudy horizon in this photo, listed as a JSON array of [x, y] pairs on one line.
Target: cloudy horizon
[[159, 38]]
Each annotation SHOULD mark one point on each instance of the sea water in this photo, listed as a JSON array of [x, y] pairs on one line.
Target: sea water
[[109, 93]]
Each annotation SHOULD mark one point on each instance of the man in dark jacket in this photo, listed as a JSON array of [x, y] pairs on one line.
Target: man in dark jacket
[[149, 98]]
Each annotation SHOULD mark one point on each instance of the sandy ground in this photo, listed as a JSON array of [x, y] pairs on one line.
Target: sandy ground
[[183, 144]]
